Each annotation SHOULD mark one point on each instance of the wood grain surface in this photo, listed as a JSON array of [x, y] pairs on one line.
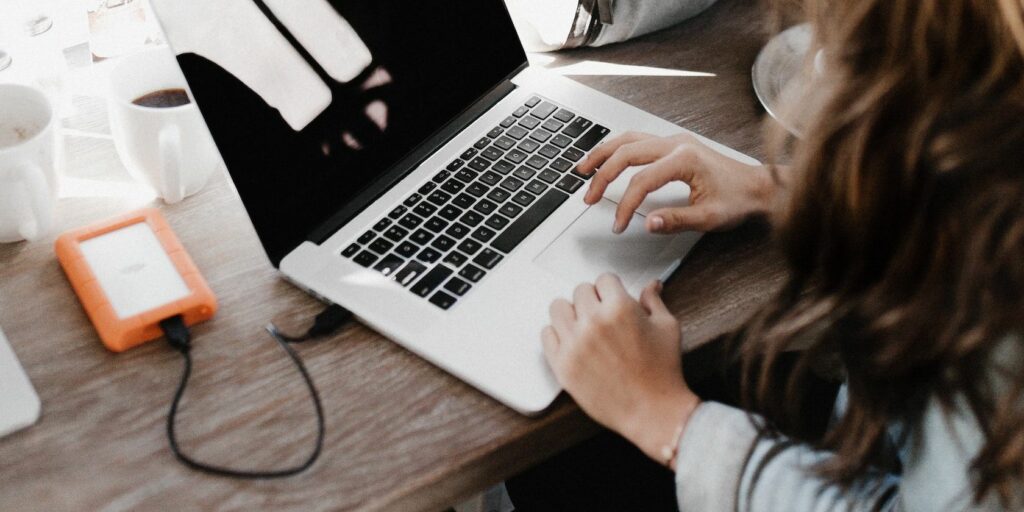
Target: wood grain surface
[[401, 434]]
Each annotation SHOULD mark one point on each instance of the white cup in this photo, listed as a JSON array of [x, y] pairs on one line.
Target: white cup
[[28, 174], [169, 149]]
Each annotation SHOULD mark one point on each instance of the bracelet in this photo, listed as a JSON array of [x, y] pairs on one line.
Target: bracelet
[[670, 452]]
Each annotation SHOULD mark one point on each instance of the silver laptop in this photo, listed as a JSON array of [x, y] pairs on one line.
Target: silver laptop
[[403, 159], [19, 404]]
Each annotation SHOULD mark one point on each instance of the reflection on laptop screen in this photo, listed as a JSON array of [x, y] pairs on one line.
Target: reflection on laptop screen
[[310, 100]]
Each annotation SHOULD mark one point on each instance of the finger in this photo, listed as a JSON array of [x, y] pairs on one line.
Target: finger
[[563, 318], [677, 166], [651, 300], [601, 153], [610, 289], [549, 340], [686, 218], [629, 155], [585, 300]]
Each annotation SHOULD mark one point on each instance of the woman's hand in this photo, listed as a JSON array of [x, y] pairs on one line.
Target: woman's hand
[[621, 360], [723, 191]]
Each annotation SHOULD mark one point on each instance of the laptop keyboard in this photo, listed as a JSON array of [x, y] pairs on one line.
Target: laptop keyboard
[[447, 236]]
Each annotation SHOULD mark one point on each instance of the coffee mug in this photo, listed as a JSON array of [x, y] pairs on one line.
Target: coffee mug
[[28, 174], [164, 144]]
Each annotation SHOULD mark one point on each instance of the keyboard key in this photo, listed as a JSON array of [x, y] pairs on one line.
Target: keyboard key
[[515, 156], [523, 198], [553, 125], [436, 224], [456, 165], [544, 110], [429, 255], [498, 195], [569, 184], [482, 143], [382, 224], [511, 184], [529, 122], [412, 200], [463, 201], [427, 187], [439, 198], [483, 234], [532, 102], [526, 223], [473, 273], [549, 151], [497, 222], [488, 259], [528, 146], [490, 178], [573, 155], [410, 272], [537, 187], [381, 246], [549, 176], [472, 219], [477, 189], [450, 212], [470, 246], [524, 173], [468, 154], [441, 176], [521, 111], [457, 286], [431, 280], [367, 237], [443, 243], [480, 164], [457, 231], [502, 167], [453, 186], [365, 258], [455, 259], [561, 165], [395, 233], [592, 137], [410, 221], [350, 250], [561, 141], [576, 173], [509, 121], [424, 209], [443, 300], [493, 153], [541, 135], [466, 176], [517, 132], [564, 115], [510, 210], [397, 212], [389, 265], [577, 127], [537, 162], [485, 207], [422, 237], [504, 143], [407, 249]]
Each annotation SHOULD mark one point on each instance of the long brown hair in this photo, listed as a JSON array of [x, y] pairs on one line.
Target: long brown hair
[[903, 227]]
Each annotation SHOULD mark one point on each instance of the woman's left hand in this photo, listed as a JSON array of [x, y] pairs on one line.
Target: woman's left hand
[[621, 360]]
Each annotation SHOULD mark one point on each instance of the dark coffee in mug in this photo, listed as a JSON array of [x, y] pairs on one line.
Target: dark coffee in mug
[[164, 98]]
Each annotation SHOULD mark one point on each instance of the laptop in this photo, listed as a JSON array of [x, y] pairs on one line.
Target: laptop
[[404, 160], [19, 404]]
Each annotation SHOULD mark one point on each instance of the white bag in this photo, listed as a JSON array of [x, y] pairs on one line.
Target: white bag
[[547, 25]]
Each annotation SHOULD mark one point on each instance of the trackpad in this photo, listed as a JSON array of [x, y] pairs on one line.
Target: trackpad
[[589, 248]]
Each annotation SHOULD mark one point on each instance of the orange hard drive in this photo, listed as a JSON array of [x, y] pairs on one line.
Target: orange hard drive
[[111, 307]]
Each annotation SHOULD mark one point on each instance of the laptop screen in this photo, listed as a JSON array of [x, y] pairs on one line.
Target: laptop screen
[[310, 101]]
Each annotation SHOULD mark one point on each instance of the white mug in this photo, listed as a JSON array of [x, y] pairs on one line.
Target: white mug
[[169, 149], [28, 174]]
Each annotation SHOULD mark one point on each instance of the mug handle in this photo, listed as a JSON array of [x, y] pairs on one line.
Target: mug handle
[[35, 221], [170, 164]]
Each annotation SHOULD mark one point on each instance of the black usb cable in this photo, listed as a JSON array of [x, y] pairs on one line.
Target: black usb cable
[[179, 337]]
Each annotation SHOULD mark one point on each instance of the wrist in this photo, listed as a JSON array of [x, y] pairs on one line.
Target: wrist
[[659, 424], [763, 192]]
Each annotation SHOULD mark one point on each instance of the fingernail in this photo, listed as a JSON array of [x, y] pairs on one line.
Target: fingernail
[[661, 286], [618, 228], [657, 223]]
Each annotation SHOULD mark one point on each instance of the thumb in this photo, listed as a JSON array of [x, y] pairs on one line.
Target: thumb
[[685, 218], [650, 299]]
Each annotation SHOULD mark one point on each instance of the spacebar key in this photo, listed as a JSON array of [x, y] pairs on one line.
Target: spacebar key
[[528, 221]]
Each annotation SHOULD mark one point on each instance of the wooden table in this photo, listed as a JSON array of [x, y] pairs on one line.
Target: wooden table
[[401, 435]]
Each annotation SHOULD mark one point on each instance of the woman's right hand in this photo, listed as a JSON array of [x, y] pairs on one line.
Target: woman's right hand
[[723, 192]]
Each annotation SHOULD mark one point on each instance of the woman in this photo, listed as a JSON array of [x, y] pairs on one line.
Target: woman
[[902, 221]]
